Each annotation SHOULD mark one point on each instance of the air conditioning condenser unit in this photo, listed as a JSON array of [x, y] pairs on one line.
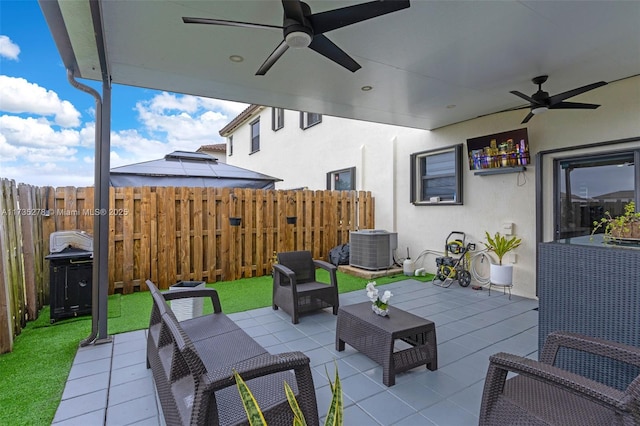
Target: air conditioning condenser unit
[[372, 248]]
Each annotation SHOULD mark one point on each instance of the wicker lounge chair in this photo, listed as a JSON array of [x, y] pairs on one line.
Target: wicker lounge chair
[[193, 362], [295, 288], [542, 394]]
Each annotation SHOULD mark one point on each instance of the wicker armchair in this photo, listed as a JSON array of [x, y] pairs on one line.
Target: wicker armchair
[[542, 394], [295, 288]]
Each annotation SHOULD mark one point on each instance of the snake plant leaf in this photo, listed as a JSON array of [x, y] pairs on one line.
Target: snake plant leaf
[[254, 414], [298, 419], [334, 416]]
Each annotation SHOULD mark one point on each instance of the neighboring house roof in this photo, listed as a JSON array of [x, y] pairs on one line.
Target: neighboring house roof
[[181, 168], [617, 195], [216, 147], [240, 119]]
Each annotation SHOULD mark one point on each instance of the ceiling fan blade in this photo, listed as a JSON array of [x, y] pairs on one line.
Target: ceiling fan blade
[[573, 105], [337, 18], [523, 96], [575, 92], [293, 10], [527, 118], [275, 55], [328, 49], [210, 21]]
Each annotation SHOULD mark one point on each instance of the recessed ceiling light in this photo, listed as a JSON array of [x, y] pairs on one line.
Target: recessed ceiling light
[[236, 58], [366, 88], [451, 106]]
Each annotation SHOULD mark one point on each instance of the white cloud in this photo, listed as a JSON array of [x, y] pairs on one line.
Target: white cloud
[[37, 151], [17, 95], [187, 121], [32, 132], [8, 49], [51, 174]]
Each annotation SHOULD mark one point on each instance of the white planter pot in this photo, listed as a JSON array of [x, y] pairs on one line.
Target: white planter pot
[[501, 274]]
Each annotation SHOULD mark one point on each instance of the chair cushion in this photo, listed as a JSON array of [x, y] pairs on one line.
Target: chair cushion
[[528, 397]]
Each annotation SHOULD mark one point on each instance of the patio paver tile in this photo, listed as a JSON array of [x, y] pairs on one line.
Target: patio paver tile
[[123, 392], [446, 413], [81, 405], [132, 411], [416, 394], [386, 408], [355, 415], [89, 368], [92, 418], [85, 385], [359, 387], [130, 373]]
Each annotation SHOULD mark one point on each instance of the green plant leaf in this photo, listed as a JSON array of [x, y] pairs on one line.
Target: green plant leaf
[[298, 419], [500, 245], [334, 415], [254, 414]]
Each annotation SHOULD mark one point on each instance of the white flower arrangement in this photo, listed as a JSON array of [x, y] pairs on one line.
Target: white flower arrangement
[[381, 302]]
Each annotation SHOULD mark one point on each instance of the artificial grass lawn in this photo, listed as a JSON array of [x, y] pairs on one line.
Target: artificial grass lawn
[[33, 376]]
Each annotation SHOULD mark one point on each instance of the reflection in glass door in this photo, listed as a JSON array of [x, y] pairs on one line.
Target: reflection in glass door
[[587, 187]]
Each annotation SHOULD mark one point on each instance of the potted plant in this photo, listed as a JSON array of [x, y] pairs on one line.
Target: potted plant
[[501, 245], [624, 226]]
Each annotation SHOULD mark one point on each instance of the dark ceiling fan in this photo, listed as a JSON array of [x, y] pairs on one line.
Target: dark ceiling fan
[[301, 28], [541, 101]]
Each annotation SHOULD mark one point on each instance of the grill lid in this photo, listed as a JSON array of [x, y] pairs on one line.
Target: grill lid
[[60, 240], [70, 253]]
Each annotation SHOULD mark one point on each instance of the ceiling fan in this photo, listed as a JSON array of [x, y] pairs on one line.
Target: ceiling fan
[[301, 28], [541, 101]]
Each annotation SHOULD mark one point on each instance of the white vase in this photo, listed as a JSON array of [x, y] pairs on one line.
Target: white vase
[[501, 274], [379, 311]]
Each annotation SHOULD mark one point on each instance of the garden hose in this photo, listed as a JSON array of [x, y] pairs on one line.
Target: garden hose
[[480, 258]]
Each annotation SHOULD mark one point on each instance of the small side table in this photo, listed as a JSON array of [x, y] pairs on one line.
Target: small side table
[[374, 336]]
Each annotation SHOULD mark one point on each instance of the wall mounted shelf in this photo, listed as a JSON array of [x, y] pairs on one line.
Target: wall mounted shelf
[[500, 171]]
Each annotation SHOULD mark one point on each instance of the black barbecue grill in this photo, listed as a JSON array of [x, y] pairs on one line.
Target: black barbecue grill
[[70, 274]]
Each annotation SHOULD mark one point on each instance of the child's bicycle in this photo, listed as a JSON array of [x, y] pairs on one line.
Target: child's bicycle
[[450, 268]]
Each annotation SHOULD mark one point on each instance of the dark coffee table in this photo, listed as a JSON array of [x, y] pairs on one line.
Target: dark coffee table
[[375, 336]]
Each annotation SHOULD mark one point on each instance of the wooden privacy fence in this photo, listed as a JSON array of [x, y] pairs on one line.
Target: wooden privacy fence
[[168, 234], [23, 275]]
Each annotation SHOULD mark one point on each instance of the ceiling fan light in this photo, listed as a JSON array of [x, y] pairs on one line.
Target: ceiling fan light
[[298, 39], [539, 110]]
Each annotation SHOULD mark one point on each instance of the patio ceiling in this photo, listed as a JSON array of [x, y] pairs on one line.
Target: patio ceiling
[[420, 62]]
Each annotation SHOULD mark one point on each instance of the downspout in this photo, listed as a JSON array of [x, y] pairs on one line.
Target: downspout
[[101, 195], [95, 277]]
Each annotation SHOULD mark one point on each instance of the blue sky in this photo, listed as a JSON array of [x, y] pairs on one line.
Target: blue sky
[[47, 126]]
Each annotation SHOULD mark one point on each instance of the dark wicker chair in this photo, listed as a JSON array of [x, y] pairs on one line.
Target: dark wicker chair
[[295, 288], [542, 394]]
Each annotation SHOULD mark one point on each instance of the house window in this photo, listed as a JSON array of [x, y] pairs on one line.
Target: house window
[[308, 119], [255, 136], [588, 186], [230, 145], [277, 118], [436, 176], [342, 180]]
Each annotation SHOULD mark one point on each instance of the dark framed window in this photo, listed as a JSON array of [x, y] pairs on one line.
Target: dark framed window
[[230, 145], [277, 118], [587, 186], [436, 176], [308, 119], [342, 180], [255, 136]]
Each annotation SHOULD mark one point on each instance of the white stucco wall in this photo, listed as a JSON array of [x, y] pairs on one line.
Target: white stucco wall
[[381, 153]]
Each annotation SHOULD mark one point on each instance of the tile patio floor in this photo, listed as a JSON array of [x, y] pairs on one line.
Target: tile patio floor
[[109, 384]]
